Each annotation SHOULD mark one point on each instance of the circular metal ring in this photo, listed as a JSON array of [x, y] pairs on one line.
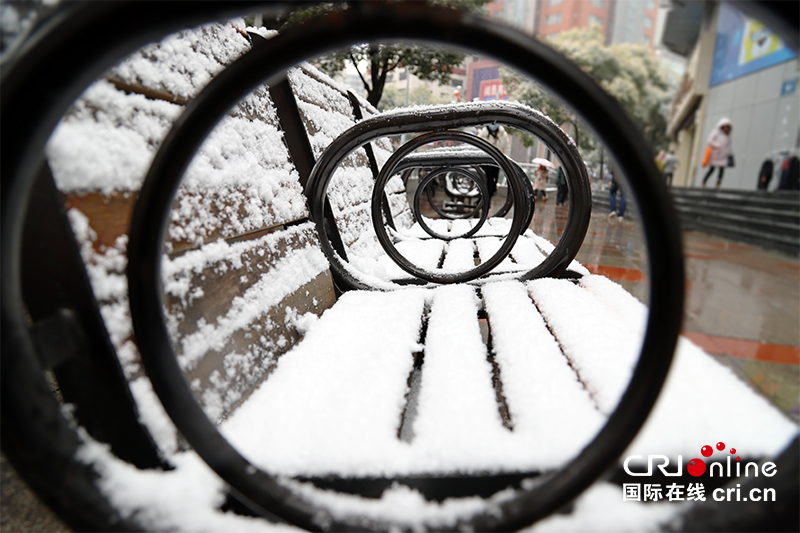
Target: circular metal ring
[[388, 171], [481, 206], [368, 21], [34, 122], [444, 118], [444, 214]]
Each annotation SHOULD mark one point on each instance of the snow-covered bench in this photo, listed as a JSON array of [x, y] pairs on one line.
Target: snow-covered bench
[[241, 262], [389, 385]]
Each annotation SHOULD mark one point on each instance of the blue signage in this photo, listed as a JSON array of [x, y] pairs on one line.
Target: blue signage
[[788, 87], [744, 45]]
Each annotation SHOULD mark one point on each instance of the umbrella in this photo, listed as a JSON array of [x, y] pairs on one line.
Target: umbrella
[[543, 162]]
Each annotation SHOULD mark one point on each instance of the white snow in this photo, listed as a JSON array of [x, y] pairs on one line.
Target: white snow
[[601, 508], [183, 63], [546, 401], [287, 277], [602, 351], [108, 139], [458, 414], [399, 505], [335, 402], [306, 417]]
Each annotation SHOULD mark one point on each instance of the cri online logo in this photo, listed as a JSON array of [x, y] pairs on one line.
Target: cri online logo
[[697, 467]]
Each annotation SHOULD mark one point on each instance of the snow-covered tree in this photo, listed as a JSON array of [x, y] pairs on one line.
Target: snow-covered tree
[[374, 62], [631, 73]]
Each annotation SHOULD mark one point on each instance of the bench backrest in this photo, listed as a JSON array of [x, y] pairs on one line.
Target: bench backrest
[[242, 267]]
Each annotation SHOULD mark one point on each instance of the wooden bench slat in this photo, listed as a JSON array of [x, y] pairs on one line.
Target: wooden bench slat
[[548, 406], [526, 254], [201, 285], [226, 375], [488, 246], [334, 403], [458, 421], [460, 255], [600, 349]]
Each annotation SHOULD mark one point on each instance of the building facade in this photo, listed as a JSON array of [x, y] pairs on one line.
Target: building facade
[[634, 21], [739, 70], [556, 16]]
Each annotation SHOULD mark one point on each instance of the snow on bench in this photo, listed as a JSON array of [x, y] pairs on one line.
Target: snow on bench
[[383, 383], [564, 354], [241, 258]]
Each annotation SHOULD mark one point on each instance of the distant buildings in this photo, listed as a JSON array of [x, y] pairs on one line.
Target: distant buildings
[[634, 21], [556, 16]]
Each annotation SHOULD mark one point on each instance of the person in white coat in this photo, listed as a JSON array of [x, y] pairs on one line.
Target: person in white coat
[[499, 137], [719, 144]]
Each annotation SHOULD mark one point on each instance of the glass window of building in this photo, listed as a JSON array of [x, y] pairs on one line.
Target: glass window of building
[[594, 20], [555, 18], [648, 22], [554, 2], [598, 3]]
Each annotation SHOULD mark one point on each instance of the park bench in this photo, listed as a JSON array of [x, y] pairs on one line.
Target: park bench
[[278, 220]]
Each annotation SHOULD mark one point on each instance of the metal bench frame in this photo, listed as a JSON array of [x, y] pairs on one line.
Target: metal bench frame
[[36, 436]]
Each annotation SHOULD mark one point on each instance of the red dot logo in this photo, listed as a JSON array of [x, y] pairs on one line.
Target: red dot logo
[[733, 451], [720, 446], [737, 457], [706, 450], [696, 467]]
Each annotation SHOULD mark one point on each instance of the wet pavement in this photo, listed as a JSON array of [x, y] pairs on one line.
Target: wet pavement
[[742, 304]]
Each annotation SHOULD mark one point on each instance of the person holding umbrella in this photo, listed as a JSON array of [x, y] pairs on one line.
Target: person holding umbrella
[[540, 177]]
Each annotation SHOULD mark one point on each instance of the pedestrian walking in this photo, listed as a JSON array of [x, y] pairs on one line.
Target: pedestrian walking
[[718, 151], [540, 183], [561, 184], [500, 139], [671, 163], [612, 198]]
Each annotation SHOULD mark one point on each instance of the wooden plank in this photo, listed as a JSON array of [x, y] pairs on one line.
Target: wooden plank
[[334, 403], [458, 413], [152, 93], [213, 284], [109, 214], [590, 344], [225, 377], [547, 404]]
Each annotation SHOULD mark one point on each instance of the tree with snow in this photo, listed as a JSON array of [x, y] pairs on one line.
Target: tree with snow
[[374, 62], [631, 73]]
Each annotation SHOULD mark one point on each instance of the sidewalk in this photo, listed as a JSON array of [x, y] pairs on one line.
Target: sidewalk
[[742, 303]]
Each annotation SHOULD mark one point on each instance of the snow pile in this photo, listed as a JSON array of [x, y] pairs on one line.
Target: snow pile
[[183, 63], [108, 140]]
